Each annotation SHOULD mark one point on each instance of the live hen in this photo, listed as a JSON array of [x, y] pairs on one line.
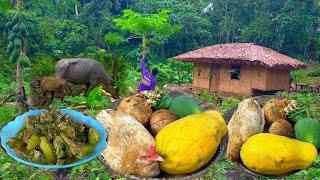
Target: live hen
[[130, 148]]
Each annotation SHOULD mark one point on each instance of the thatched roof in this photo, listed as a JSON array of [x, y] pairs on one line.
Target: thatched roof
[[242, 53]]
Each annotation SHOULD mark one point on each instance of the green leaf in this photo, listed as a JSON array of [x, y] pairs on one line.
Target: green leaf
[[77, 100], [114, 38], [96, 99], [5, 6]]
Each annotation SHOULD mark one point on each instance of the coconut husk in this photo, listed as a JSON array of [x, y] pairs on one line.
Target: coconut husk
[[160, 119], [138, 107], [281, 127]]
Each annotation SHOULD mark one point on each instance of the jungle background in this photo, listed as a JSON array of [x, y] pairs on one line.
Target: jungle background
[[86, 28]]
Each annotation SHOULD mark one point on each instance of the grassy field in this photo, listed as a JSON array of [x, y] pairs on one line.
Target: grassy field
[[94, 170]]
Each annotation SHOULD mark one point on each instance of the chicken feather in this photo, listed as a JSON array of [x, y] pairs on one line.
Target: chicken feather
[[128, 142]]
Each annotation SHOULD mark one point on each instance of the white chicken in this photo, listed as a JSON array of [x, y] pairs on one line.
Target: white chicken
[[131, 148], [246, 121]]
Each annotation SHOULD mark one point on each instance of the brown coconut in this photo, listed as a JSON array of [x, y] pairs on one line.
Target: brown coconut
[[160, 119], [136, 106], [281, 127], [274, 109]]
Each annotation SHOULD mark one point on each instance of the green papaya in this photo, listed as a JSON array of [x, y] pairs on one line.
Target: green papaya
[[14, 55], [22, 27], [10, 47], [8, 50], [11, 36], [16, 28], [183, 106], [19, 34], [17, 43], [308, 130]]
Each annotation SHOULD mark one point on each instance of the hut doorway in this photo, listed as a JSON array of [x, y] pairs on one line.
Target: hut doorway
[[214, 78]]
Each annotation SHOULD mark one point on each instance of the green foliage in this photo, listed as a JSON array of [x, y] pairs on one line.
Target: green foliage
[[150, 28], [96, 99], [7, 113], [114, 38], [93, 170], [5, 6], [229, 103], [72, 101], [11, 169], [6, 86], [174, 72], [43, 66], [310, 75], [155, 27], [307, 101], [196, 29], [208, 97], [129, 81]]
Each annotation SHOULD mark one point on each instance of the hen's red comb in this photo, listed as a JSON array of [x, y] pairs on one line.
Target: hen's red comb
[[152, 151]]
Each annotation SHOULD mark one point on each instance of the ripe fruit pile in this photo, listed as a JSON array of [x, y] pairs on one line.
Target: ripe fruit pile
[[17, 32]]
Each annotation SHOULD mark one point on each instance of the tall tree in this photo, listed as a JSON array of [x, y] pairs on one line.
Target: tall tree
[[16, 50], [150, 28]]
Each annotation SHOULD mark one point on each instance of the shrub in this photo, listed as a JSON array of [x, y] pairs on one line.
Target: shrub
[[42, 66]]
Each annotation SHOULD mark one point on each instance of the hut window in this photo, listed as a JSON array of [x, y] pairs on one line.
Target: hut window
[[199, 72], [235, 72]]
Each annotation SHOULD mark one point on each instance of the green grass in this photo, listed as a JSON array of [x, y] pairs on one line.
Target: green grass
[[229, 103], [7, 113], [311, 75]]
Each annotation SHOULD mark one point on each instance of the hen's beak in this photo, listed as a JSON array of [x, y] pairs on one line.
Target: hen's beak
[[159, 158]]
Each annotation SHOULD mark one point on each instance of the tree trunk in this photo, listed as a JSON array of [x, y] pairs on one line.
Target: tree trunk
[[114, 69], [20, 90], [144, 46], [76, 9]]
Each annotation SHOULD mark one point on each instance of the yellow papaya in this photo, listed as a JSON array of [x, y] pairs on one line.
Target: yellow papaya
[[218, 117], [272, 154], [190, 142]]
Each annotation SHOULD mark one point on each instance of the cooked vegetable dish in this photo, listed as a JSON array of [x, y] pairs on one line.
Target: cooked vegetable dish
[[53, 138]]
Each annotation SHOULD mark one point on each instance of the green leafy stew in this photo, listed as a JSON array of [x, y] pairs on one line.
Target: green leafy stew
[[53, 138]]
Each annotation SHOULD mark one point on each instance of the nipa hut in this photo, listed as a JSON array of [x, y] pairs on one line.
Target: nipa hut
[[240, 68]]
